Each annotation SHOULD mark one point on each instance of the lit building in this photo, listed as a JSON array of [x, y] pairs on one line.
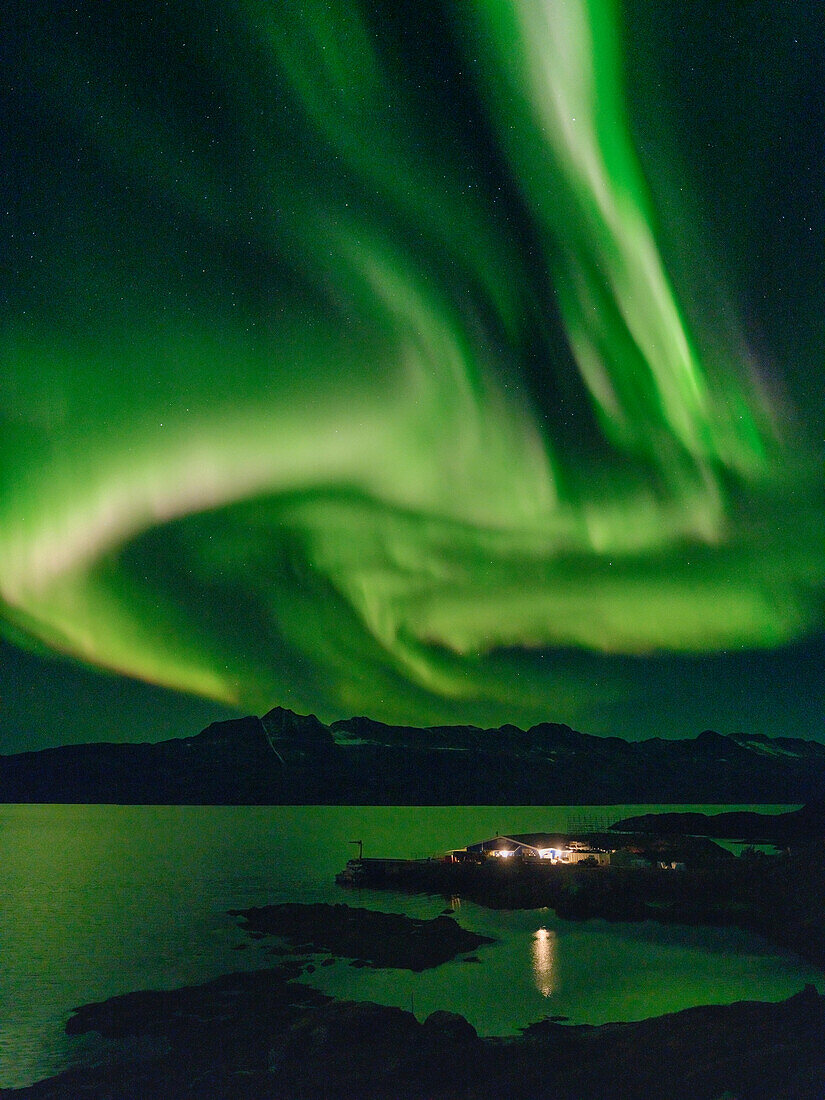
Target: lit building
[[533, 846]]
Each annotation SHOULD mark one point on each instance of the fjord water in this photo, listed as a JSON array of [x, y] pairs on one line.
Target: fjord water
[[101, 900]]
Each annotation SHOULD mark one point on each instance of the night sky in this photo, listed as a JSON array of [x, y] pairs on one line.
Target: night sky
[[441, 362]]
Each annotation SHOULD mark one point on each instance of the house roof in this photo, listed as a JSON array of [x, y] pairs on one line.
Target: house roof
[[540, 841], [517, 840]]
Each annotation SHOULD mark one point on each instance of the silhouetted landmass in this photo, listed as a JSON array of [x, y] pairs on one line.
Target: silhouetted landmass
[[793, 828], [284, 758], [374, 938], [263, 1035]]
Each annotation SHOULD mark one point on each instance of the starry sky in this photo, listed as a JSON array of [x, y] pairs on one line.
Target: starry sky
[[446, 362]]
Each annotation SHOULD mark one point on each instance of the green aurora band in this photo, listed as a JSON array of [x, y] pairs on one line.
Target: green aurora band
[[343, 363]]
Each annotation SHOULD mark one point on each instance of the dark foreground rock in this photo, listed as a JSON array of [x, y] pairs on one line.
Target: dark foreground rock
[[379, 939], [263, 1035]]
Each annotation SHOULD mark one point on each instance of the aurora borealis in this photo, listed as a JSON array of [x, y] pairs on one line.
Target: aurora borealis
[[437, 362]]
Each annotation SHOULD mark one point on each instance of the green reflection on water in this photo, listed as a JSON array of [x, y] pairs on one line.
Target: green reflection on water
[[101, 900]]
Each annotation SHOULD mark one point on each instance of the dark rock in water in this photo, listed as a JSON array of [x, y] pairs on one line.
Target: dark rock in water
[[451, 1027], [345, 1049], [472, 959], [176, 1013], [375, 939]]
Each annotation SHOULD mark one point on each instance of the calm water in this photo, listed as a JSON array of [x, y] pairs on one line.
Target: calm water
[[100, 900]]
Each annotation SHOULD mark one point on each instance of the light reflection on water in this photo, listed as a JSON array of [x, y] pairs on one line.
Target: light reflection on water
[[102, 900], [543, 951]]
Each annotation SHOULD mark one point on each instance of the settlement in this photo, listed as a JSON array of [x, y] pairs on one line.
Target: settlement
[[552, 847], [602, 849]]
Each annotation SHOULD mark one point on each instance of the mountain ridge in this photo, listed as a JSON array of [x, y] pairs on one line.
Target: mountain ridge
[[287, 758]]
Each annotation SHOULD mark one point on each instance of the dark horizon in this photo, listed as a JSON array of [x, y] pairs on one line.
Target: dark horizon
[[48, 703]]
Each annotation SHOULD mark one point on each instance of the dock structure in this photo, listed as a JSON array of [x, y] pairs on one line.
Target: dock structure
[[374, 871]]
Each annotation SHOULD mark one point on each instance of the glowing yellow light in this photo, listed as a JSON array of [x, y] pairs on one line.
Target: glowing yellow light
[[543, 952]]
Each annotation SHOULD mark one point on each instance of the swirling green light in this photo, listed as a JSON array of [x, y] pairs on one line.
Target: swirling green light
[[277, 412]]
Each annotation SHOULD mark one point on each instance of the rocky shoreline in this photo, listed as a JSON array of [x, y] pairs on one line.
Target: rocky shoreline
[[779, 897], [370, 938], [265, 1035], [794, 828]]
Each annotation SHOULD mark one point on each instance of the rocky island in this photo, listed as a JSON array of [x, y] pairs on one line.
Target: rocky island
[[373, 938], [794, 828]]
